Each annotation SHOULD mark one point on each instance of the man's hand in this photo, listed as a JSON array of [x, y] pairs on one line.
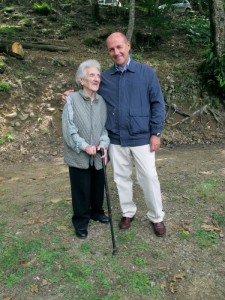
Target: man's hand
[[65, 94], [154, 143]]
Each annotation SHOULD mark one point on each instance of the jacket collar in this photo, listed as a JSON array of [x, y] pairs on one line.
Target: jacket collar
[[87, 98]]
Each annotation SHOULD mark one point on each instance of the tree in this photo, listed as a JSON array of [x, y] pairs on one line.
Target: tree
[[217, 19], [95, 10], [213, 67], [131, 20]]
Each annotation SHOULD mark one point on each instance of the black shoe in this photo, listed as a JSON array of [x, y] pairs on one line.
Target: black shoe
[[81, 233], [101, 218]]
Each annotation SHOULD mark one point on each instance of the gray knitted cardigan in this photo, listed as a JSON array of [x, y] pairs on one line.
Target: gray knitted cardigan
[[83, 124]]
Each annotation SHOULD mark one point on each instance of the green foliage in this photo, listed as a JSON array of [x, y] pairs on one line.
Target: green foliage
[[44, 130], [4, 86], [43, 9], [140, 261], [69, 26], [205, 239], [212, 70], [6, 137], [196, 29], [184, 235], [48, 257], [207, 189], [18, 251], [91, 41], [141, 284], [25, 22], [9, 32], [137, 56], [218, 218], [147, 6], [2, 66]]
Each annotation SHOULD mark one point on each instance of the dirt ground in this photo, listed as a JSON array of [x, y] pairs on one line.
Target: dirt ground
[[33, 173], [194, 272]]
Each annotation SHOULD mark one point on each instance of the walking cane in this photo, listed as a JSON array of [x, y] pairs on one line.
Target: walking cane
[[101, 152]]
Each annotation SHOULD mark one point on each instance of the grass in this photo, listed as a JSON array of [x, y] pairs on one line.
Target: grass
[[46, 256], [88, 266], [219, 218], [23, 259], [205, 239]]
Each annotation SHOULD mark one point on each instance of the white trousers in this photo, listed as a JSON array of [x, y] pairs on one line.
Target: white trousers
[[122, 165]]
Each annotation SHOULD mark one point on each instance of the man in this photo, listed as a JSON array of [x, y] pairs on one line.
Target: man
[[135, 117]]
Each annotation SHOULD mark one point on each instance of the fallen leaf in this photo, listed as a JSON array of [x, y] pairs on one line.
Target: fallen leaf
[[34, 288], [60, 199], [185, 197], [44, 282], [55, 200], [173, 287], [210, 227], [58, 266], [178, 276], [26, 264], [185, 228], [186, 232], [61, 228], [8, 297], [68, 199], [206, 172], [163, 285], [37, 221]]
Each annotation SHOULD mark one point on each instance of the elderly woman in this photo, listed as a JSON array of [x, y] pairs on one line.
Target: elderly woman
[[83, 123]]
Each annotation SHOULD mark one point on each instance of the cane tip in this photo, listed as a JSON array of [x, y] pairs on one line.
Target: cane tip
[[114, 252]]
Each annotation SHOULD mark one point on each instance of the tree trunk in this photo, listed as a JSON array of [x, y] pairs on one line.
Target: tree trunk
[[131, 20], [7, 46], [95, 11], [217, 19], [13, 49], [156, 4], [200, 7]]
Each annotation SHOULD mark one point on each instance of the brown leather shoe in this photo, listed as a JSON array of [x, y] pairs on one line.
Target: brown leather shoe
[[159, 228], [125, 222]]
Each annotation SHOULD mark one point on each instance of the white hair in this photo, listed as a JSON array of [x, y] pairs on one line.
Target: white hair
[[81, 71]]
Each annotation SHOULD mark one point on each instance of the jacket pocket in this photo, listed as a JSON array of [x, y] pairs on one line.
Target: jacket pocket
[[139, 123]]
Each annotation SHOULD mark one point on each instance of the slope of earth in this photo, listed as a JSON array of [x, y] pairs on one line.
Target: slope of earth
[[30, 113]]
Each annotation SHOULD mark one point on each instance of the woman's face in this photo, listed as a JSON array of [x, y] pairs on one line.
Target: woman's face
[[92, 80]]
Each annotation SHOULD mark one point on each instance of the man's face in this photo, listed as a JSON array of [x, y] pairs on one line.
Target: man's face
[[118, 49]]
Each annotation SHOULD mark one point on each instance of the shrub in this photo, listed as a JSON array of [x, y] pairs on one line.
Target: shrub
[[42, 9], [10, 32], [212, 70], [90, 41], [6, 137], [4, 86]]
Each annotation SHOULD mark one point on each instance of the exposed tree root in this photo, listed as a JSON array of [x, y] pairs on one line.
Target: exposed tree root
[[218, 116]]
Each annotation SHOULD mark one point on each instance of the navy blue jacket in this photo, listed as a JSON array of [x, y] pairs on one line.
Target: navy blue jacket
[[135, 104]]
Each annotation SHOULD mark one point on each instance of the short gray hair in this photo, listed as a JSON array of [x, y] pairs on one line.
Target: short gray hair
[[81, 71]]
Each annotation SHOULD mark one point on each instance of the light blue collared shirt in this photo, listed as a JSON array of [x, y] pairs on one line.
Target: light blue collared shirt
[[119, 69]]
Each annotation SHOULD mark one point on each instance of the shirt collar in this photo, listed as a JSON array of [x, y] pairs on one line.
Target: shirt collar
[[119, 69]]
